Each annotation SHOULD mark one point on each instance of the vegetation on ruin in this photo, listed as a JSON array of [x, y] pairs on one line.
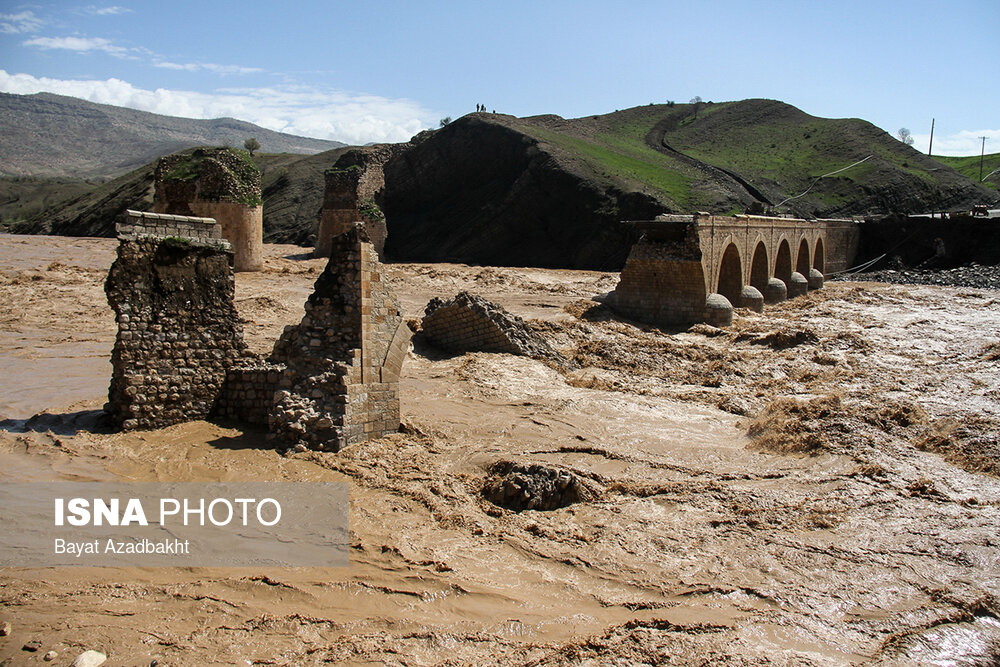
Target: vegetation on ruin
[[370, 211], [343, 170], [241, 174]]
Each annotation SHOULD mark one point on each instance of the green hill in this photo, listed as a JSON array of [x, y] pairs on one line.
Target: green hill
[[970, 167], [719, 156]]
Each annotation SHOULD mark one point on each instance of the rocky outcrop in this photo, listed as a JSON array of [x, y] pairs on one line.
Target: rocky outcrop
[[479, 192]]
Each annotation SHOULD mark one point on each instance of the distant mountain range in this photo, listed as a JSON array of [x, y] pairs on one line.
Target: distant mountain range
[[53, 136]]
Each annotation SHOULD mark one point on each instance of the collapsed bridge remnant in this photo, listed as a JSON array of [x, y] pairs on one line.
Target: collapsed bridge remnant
[[217, 183], [332, 380], [689, 269], [468, 322], [353, 188]]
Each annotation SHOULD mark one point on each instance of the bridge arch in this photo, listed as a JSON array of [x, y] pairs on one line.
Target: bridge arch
[[783, 262], [731, 275], [802, 263], [759, 268], [819, 258]]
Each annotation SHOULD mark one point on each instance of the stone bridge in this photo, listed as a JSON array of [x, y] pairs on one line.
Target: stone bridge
[[688, 269]]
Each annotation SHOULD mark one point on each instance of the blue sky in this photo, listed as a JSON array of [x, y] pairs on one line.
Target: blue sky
[[367, 70]]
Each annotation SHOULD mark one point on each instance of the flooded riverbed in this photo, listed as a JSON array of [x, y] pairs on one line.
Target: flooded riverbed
[[815, 486]]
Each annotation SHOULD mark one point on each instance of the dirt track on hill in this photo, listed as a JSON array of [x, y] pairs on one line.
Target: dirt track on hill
[[815, 486]]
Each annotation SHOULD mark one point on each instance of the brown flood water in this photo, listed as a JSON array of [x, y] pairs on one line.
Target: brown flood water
[[839, 536]]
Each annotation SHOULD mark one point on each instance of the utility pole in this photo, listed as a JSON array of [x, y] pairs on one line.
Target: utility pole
[[931, 145], [982, 151]]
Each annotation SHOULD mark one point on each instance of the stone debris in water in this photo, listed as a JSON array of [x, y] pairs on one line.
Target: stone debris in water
[[469, 323], [521, 487]]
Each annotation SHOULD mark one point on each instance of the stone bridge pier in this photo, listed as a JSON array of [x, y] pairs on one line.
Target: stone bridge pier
[[689, 269]]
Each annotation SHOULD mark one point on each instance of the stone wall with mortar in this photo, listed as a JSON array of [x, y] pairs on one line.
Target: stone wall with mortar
[[242, 226], [248, 393], [332, 380], [344, 358], [137, 224], [663, 280], [178, 330]]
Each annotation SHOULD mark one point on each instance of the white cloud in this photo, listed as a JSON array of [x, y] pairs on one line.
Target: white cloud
[[20, 22], [208, 67], [107, 11], [324, 114], [79, 44], [964, 143]]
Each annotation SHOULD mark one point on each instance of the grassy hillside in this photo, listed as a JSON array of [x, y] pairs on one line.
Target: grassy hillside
[[722, 156], [969, 167], [292, 186], [492, 188], [23, 197], [611, 150]]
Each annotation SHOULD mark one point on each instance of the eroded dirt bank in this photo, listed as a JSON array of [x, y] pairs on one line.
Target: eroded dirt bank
[[817, 485]]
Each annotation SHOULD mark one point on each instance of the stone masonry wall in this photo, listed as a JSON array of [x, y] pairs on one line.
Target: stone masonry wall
[[344, 358], [356, 179], [662, 282], [686, 269], [331, 381], [219, 183], [178, 331], [248, 393], [242, 226], [140, 223], [470, 323]]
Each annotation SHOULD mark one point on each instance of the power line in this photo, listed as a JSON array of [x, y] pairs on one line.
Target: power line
[[823, 176]]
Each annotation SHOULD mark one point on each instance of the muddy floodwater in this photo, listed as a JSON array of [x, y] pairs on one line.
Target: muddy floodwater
[[816, 485]]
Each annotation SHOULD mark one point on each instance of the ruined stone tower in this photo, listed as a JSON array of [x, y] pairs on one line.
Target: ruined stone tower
[[353, 187], [218, 183], [332, 380], [343, 360], [171, 288]]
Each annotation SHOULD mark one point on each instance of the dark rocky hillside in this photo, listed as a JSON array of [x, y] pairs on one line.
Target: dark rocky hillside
[[56, 136], [292, 188], [480, 192]]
